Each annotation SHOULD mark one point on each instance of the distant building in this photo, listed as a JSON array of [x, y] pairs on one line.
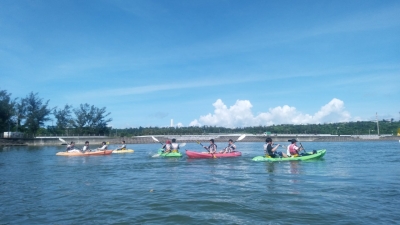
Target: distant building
[[267, 133], [13, 135]]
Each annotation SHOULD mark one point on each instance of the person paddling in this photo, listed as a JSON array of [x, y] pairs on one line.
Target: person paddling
[[104, 147], [174, 145], [86, 147], [293, 150], [230, 148], [271, 151], [71, 147], [167, 146], [212, 148], [122, 147]]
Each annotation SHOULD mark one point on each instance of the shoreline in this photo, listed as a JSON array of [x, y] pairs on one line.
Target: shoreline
[[79, 140]]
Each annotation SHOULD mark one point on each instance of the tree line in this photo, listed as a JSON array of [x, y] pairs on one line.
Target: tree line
[[30, 114], [349, 128]]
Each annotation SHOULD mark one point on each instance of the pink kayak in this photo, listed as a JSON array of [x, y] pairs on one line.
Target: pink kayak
[[204, 155]]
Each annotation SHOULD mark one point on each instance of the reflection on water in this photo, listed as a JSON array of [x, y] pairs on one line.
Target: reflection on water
[[270, 167]]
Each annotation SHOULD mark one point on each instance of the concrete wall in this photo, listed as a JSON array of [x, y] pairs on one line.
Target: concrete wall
[[96, 140]]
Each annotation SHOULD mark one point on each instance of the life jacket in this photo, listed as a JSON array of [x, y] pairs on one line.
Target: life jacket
[[167, 147], [212, 148], [231, 147], [266, 150], [293, 149], [175, 146]]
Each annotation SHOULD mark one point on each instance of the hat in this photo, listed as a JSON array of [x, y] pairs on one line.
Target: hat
[[292, 140], [168, 142]]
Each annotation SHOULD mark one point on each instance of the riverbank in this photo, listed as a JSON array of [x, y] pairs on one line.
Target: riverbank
[[96, 140]]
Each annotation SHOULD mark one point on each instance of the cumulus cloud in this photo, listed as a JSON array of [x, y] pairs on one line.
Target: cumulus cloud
[[240, 115]]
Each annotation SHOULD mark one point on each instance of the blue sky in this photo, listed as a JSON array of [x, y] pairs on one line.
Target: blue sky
[[223, 63]]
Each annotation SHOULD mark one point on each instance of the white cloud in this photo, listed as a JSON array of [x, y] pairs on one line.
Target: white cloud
[[240, 115]]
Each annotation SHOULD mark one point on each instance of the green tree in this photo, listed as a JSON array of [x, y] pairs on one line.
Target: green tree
[[20, 115], [63, 117], [36, 112], [7, 110], [90, 119]]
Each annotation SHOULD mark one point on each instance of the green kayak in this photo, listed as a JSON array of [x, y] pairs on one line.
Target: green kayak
[[307, 156], [171, 154]]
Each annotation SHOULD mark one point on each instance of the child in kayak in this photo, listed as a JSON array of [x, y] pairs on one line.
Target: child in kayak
[[104, 147], [174, 145], [167, 146], [71, 147], [123, 146], [271, 151], [86, 147], [230, 148], [293, 150], [212, 148]]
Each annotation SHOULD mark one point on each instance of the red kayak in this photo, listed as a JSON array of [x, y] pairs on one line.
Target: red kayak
[[205, 155]]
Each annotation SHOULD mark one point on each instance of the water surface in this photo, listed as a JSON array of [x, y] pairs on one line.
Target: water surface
[[355, 183]]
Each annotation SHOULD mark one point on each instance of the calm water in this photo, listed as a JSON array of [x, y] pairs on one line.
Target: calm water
[[355, 183]]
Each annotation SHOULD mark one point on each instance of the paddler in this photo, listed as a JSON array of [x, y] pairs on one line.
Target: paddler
[[212, 148], [103, 147], [86, 147], [174, 145], [167, 146], [123, 146], [293, 150], [230, 148], [271, 151], [71, 147]]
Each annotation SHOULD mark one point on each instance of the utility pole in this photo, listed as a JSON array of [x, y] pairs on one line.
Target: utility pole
[[377, 123]]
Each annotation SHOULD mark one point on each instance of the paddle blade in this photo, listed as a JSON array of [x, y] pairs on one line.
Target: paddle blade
[[155, 139], [62, 140], [241, 137], [156, 155], [182, 145]]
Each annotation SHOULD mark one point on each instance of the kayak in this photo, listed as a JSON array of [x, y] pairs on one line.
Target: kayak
[[206, 155], [123, 151], [170, 154], [105, 152], [307, 156]]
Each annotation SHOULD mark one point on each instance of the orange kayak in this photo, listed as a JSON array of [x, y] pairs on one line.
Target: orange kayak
[[105, 152]]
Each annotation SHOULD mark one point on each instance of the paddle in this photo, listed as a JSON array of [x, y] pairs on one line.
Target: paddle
[[241, 137], [156, 140], [63, 141], [303, 148]]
